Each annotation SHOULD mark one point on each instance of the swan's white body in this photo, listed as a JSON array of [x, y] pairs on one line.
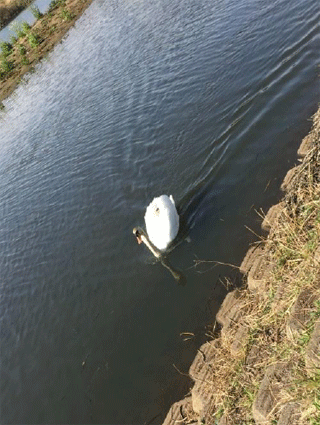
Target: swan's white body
[[162, 221]]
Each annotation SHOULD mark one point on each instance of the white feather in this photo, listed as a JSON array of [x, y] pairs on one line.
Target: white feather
[[162, 221]]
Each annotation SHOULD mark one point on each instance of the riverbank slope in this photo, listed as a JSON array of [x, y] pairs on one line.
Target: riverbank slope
[[31, 44], [263, 365]]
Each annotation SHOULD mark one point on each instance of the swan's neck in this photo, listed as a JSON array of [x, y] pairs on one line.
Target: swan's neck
[[152, 248]]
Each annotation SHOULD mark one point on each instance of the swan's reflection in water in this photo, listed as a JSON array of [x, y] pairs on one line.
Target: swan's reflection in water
[[176, 273]]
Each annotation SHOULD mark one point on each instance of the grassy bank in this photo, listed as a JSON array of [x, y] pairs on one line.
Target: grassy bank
[[31, 44], [281, 319], [277, 317], [263, 366]]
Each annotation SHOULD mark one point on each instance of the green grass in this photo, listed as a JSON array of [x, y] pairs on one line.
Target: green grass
[[66, 15], [21, 29], [25, 60], [6, 66], [13, 40], [52, 29], [25, 28], [6, 49], [22, 50], [34, 40], [56, 3], [36, 12]]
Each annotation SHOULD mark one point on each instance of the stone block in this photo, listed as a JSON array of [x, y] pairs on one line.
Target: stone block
[[249, 259], [306, 144], [178, 412], [240, 340], [280, 299], [272, 216], [290, 414], [290, 177], [300, 313], [265, 400], [203, 357], [258, 275], [230, 310], [202, 393], [312, 356], [253, 357]]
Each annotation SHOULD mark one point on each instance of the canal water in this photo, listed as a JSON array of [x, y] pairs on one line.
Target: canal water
[[205, 100]]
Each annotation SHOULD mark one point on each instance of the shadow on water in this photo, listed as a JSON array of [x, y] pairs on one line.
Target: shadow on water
[[190, 205]]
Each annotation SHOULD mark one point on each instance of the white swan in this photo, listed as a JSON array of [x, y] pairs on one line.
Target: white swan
[[162, 224]]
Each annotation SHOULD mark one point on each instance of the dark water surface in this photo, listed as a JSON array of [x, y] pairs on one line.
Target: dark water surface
[[204, 100]]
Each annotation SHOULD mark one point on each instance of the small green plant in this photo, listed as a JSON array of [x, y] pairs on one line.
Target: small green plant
[[52, 29], [6, 48], [22, 50], [66, 15], [6, 66], [13, 40], [24, 60], [21, 29], [34, 40], [56, 3], [25, 27], [317, 306], [16, 27], [36, 12]]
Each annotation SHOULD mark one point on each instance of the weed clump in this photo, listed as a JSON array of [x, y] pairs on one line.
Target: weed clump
[[24, 60], [21, 29], [36, 12], [56, 3], [6, 48], [6, 66], [34, 40], [21, 49], [66, 15], [13, 40], [25, 27]]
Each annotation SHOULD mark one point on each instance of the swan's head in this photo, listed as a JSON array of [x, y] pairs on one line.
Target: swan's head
[[138, 232]]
